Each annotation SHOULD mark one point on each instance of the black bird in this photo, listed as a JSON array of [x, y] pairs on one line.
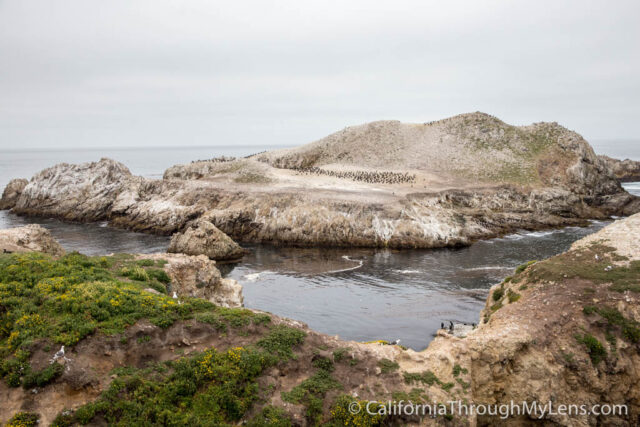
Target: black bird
[[441, 325], [450, 326]]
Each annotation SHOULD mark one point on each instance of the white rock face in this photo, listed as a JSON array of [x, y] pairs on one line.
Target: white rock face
[[82, 192], [30, 238]]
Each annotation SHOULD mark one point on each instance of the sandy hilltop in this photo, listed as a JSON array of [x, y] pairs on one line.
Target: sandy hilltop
[[381, 184]]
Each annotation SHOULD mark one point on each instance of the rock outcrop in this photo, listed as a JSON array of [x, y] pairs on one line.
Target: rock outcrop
[[30, 238], [11, 193], [83, 192], [197, 276], [384, 184], [204, 238], [624, 170]]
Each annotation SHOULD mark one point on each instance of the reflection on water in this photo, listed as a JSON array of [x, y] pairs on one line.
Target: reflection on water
[[355, 293]]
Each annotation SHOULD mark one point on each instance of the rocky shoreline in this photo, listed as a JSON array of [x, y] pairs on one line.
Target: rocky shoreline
[[547, 177], [563, 330]]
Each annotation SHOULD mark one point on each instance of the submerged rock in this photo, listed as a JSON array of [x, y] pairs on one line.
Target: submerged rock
[[11, 193], [30, 238], [204, 238]]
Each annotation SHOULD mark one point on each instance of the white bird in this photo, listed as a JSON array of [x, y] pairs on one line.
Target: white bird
[[175, 296], [60, 353], [597, 257], [396, 342]]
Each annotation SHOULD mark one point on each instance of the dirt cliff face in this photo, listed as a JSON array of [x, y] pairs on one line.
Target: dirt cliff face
[[624, 170], [384, 184]]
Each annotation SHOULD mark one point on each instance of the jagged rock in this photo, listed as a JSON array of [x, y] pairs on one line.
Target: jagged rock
[[625, 170], [204, 238], [197, 276], [11, 193], [83, 192], [30, 238]]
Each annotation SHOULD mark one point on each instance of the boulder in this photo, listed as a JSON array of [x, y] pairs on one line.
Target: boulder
[[11, 193], [198, 277], [204, 238], [30, 238]]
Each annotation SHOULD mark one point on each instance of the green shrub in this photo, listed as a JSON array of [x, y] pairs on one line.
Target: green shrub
[[270, 416], [497, 294], [425, 377], [596, 350], [158, 274], [23, 419], [387, 366], [281, 340], [457, 370], [341, 415], [43, 377]]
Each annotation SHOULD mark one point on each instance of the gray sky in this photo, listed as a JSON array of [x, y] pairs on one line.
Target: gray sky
[[91, 73]]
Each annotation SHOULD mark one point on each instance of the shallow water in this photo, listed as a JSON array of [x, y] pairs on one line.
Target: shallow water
[[357, 294]]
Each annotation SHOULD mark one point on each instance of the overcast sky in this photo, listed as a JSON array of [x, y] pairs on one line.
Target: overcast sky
[[142, 73]]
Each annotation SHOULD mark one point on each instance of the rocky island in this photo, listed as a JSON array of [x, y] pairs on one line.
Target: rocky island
[[381, 184]]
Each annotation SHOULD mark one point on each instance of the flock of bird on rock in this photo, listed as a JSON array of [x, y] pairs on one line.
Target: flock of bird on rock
[[371, 177]]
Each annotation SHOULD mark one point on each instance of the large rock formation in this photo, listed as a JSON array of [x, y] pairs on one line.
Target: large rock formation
[[625, 170], [384, 184], [204, 238], [197, 276], [83, 192], [30, 238], [11, 193]]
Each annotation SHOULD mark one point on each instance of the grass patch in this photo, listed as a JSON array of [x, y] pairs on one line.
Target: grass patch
[[386, 366], [425, 377], [583, 264]]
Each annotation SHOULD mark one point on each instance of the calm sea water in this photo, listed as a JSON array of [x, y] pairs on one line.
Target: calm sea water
[[357, 294]]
